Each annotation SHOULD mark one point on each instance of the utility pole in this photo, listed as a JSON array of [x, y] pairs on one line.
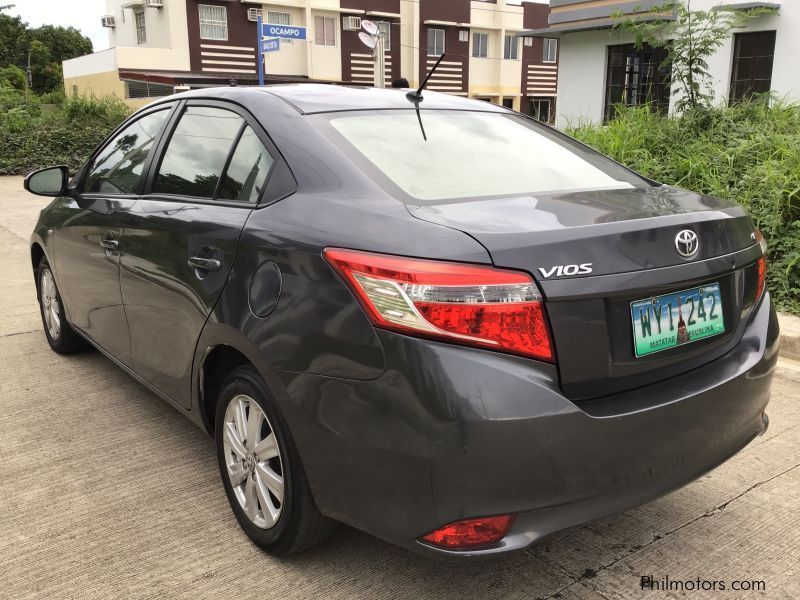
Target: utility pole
[[380, 62], [29, 72]]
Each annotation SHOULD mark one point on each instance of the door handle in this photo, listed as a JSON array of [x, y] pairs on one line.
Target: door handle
[[205, 264], [109, 244]]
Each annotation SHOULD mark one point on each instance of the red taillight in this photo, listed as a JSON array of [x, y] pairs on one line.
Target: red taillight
[[468, 304], [762, 264], [471, 533]]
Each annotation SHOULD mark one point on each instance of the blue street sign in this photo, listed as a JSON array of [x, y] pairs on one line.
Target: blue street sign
[[270, 45], [287, 32]]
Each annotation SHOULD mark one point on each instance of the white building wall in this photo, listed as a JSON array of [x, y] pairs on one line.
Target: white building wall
[[583, 56]]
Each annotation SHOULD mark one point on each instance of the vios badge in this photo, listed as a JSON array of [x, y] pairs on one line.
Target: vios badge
[[687, 243]]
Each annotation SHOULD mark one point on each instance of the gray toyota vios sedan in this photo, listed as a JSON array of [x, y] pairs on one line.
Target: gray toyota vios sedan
[[431, 318]]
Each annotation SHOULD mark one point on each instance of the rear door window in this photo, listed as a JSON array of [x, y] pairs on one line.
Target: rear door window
[[118, 168], [198, 151], [248, 170]]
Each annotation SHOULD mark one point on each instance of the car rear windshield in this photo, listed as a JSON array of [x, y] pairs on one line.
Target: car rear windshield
[[471, 155]]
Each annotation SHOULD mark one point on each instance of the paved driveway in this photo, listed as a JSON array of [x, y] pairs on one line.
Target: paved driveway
[[106, 492]]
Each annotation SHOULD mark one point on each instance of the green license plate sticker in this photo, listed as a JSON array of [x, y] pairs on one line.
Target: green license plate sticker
[[676, 319]]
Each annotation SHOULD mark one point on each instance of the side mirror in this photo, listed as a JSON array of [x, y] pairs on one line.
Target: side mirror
[[48, 182]]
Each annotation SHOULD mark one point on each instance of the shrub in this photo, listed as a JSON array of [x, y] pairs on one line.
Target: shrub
[[31, 139], [749, 153]]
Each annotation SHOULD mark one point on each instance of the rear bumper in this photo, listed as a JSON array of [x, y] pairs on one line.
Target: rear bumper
[[449, 433]]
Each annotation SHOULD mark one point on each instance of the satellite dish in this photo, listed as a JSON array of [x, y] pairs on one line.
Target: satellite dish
[[366, 39], [370, 27]]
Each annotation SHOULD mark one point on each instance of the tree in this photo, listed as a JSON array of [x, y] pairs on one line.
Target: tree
[[47, 46], [690, 39], [12, 76], [63, 42]]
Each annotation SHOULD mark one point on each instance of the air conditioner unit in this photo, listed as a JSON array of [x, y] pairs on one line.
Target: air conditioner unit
[[153, 3], [254, 13], [108, 21], [352, 24]]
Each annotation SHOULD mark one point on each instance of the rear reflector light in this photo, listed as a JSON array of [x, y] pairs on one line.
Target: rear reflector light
[[467, 304], [472, 533], [762, 264]]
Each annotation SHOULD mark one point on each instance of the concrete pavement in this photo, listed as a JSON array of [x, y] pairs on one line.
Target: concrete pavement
[[106, 492]]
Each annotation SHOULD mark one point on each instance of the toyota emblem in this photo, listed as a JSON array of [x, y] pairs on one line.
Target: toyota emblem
[[687, 243]]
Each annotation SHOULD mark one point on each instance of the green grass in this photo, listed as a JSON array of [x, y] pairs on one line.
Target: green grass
[[748, 153]]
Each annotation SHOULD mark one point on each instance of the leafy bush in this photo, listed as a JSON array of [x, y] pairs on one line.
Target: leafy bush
[[31, 139], [749, 153]]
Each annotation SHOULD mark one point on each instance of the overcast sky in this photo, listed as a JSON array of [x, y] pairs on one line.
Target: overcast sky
[[81, 14]]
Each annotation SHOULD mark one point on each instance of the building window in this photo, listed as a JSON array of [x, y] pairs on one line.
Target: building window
[[542, 109], [550, 50], [480, 45], [144, 89], [213, 22], [637, 78], [463, 35], [324, 31], [141, 29], [386, 30], [280, 18], [511, 48], [435, 42], [528, 42], [753, 55]]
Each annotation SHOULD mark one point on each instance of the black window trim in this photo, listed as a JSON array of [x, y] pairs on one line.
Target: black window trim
[[249, 120], [83, 172], [736, 36]]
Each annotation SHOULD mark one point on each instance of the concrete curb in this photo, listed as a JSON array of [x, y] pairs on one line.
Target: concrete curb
[[790, 336]]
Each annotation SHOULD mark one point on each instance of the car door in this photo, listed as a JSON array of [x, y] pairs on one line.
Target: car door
[[181, 237], [86, 245]]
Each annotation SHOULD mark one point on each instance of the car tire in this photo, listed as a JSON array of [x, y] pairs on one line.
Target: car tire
[[60, 335], [263, 476]]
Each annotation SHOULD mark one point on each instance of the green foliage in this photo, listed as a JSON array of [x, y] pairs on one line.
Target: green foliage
[[31, 139], [13, 77], [690, 39], [749, 153]]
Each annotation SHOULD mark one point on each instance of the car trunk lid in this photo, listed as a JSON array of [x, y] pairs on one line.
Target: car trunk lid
[[593, 253]]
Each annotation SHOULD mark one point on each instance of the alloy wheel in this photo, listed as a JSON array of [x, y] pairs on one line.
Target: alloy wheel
[[253, 461], [51, 309]]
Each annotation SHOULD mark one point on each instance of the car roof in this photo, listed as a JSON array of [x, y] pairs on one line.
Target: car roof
[[310, 98]]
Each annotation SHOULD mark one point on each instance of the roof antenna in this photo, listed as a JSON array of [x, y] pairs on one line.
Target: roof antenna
[[417, 96]]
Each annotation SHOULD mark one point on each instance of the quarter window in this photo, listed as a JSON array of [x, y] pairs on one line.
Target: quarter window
[[141, 28], [117, 169], [480, 45], [753, 56], [324, 31], [196, 155], [435, 42], [550, 50], [246, 175], [511, 49], [213, 22]]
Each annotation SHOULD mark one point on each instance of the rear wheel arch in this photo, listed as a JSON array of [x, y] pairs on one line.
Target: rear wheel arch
[[218, 362]]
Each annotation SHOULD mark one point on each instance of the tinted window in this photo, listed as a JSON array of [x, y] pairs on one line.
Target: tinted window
[[475, 154], [195, 157], [248, 170], [118, 168]]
